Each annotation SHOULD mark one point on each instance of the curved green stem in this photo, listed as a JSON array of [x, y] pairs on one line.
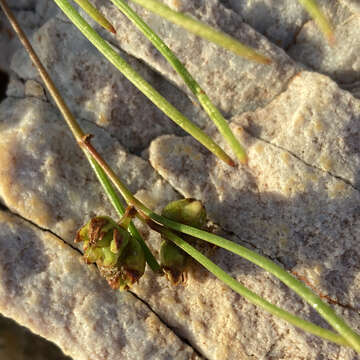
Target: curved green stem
[[140, 82], [249, 295], [195, 88], [323, 309], [200, 29]]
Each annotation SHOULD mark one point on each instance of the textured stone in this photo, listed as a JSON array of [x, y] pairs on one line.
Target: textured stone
[[45, 286], [233, 83], [281, 20], [98, 91], [30, 14], [278, 20], [45, 177], [290, 208], [324, 133], [340, 61], [302, 216]]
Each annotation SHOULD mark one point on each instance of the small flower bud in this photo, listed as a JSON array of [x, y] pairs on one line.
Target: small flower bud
[[173, 260], [186, 211]]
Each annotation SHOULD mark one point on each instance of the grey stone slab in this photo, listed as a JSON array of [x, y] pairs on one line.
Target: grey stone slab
[[46, 287], [98, 91], [340, 61], [46, 178], [30, 14], [233, 83], [281, 20], [315, 120], [302, 216]]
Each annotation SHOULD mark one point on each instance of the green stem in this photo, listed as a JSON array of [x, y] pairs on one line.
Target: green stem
[[323, 309], [95, 14], [202, 30], [317, 14], [195, 88], [75, 129], [140, 82], [249, 295]]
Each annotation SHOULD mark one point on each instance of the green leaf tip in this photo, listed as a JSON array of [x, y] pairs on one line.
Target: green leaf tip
[[319, 17], [172, 259], [95, 15]]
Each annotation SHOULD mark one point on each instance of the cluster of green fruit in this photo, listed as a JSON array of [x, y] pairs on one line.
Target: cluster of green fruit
[[119, 256]]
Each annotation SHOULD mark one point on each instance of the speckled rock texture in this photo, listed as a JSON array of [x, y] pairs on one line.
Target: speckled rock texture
[[30, 14], [341, 61], [217, 70], [99, 92], [296, 202], [289, 26], [46, 286], [62, 191], [324, 134]]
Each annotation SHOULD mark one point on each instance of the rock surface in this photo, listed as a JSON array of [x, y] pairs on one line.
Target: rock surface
[[62, 192], [99, 92], [234, 84], [46, 286], [301, 216], [341, 61], [325, 134], [297, 202]]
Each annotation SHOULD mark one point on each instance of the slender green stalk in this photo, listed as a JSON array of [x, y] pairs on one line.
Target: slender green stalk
[[202, 30], [323, 309], [249, 295], [76, 130], [140, 82], [95, 14], [317, 14], [204, 100]]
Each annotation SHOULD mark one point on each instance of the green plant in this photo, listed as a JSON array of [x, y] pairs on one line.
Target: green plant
[[164, 225]]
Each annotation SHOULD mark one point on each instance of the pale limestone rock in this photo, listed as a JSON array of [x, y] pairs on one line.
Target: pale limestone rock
[[315, 120], [15, 87], [233, 83], [95, 90], [281, 20], [45, 177], [341, 61], [30, 14], [222, 325], [46, 287], [278, 20], [302, 216]]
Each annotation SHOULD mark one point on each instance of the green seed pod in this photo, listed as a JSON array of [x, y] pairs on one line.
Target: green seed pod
[[173, 260], [119, 257], [133, 263], [187, 211]]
